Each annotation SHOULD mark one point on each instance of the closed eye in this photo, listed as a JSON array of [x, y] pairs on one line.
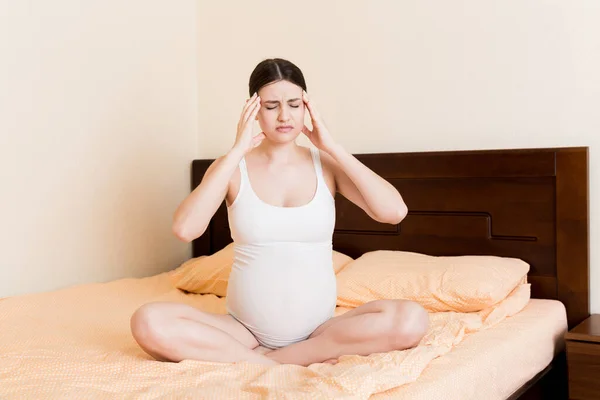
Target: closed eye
[[291, 105]]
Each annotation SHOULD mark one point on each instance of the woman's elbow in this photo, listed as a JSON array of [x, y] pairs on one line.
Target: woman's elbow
[[396, 215], [183, 233], [180, 233], [401, 213]]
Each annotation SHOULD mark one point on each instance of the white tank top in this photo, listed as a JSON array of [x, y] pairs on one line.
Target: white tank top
[[282, 284]]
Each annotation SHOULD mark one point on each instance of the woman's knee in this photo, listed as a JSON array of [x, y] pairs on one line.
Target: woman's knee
[[408, 323], [147, 324]]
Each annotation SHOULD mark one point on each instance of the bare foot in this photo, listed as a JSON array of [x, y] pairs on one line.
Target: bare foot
[[264, 355], [262, 350], [331, 361]]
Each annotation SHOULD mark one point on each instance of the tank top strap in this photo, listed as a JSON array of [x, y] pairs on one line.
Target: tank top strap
[[244, 179], [316, 157], [243, 169]]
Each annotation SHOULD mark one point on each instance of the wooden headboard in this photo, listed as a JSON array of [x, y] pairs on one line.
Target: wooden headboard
[[530, 204]]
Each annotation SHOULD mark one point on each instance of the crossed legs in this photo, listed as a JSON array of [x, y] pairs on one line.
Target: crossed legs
[[174, 332], [376, 327]]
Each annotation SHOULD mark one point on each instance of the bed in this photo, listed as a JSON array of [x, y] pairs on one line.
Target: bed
[[530, 204]]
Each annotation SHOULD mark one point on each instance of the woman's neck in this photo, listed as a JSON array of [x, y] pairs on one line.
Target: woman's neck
[[278, 153]]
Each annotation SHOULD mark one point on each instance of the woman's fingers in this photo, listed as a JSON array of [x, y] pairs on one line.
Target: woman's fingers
[[305, 96], [249, 117], [306, 102], [306, 131], [248, 105], [244, 128], [314, 115], [254, 113], [252, 109]]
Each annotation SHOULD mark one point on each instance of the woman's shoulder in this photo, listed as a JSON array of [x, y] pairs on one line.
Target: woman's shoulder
[[327, 162], [328, 168]]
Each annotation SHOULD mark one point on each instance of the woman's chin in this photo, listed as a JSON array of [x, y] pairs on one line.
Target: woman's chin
[[282, 137]]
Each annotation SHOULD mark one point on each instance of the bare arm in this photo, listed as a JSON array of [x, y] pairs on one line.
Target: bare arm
[[195, 212], [355, 181], [359, 184]]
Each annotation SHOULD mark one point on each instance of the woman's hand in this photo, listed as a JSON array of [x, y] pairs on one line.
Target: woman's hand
[[319, 136], [245, 139]]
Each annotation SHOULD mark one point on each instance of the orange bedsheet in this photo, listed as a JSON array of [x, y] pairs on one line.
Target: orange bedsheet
[[76, 343], [494, 363]]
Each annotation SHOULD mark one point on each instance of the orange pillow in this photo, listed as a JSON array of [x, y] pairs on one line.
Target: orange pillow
[[460, 283], [210, 274]]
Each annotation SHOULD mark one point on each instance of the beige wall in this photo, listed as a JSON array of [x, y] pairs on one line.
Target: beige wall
[[416, 76], [98, 124]]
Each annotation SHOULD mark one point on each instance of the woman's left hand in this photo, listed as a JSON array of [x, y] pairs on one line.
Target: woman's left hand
[[319, 136]]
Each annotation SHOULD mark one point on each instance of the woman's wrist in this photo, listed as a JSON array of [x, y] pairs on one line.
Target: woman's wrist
[[235, 153], [335, 151]]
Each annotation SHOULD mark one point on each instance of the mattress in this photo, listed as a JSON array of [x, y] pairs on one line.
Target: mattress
[[494, 363], [76, 343]]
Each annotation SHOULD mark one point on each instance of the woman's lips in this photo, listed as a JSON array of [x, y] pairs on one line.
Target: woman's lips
[[284, 129]]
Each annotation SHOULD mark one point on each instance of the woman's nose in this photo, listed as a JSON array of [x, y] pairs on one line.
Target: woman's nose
[[284, 114]]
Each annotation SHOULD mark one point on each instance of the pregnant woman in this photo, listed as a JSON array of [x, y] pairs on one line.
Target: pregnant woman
[[280, 203]]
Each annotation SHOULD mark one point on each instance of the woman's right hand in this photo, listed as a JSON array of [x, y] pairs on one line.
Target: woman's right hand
[[245, 139]]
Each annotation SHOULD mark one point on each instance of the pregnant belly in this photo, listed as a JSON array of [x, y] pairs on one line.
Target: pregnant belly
[[283, 291]]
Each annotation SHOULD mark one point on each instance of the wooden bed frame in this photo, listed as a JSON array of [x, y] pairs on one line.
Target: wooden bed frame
[[526, 203]]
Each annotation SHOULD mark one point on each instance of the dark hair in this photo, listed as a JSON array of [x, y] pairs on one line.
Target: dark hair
[[272, 70]]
